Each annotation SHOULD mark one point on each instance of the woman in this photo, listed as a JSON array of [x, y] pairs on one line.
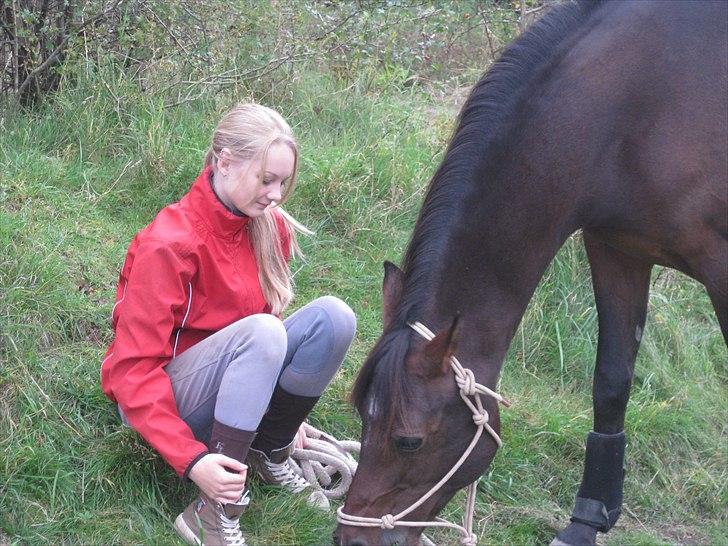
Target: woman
[[201, 365]]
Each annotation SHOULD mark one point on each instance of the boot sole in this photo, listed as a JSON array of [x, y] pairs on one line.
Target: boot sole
[[185, 533]]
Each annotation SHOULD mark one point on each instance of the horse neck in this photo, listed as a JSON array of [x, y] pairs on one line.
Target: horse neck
[[509, 225]]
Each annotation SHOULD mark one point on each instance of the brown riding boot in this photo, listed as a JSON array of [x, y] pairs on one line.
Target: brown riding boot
[[206, 522]]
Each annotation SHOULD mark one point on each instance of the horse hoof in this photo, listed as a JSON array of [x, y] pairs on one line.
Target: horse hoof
[[576, 534]]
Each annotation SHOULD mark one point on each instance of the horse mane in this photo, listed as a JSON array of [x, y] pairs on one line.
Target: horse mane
[[484, 126]]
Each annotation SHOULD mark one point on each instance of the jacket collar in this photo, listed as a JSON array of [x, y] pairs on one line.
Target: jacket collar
[[213, 212]]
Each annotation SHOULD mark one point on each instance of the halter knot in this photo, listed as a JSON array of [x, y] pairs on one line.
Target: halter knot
[[388, 521], [481, 418], [466, 382], [470, 540]]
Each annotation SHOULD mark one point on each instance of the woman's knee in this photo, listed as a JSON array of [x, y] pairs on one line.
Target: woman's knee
[[263, 338], [341, 318]]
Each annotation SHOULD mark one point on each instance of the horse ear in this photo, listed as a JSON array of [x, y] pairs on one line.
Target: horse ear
[[391, 292], [437, 352]]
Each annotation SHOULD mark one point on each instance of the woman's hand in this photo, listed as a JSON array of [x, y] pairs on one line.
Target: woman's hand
[[211, 476], [301, 440]]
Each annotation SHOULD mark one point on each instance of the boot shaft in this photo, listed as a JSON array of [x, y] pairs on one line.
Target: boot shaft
[[279, 425], [230, 441]]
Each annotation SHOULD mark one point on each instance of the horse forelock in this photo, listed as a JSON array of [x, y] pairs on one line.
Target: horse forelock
[[382, 391]]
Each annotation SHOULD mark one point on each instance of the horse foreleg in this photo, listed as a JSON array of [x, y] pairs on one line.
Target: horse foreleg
[[621, 288], [717, 285]]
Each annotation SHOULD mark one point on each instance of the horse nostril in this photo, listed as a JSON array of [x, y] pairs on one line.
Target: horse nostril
[[338, 541]]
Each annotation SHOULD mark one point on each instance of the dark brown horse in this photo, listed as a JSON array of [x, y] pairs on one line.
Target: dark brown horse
[[606, 117]]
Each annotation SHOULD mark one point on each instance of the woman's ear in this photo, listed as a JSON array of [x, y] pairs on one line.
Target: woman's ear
[[223, 161]]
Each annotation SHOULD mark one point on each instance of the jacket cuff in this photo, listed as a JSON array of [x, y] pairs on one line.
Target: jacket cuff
[[186, 473]]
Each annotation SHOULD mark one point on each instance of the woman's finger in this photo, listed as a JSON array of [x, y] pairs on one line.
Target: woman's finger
[[229, 496], [231, 489], [227, 490], [228, 478], [231, 463]]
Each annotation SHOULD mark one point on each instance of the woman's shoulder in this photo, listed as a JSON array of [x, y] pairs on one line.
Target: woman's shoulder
[[172, 229]]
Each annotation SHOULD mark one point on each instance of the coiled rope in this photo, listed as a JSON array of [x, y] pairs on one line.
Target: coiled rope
[[325, 462]]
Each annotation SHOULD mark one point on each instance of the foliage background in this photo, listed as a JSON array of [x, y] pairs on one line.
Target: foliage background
[[116, 127]]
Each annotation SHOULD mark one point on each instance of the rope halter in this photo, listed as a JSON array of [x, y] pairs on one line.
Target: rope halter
[[468, 388]]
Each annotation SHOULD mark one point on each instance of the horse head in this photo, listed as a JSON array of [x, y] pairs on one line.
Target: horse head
[[415, 429]]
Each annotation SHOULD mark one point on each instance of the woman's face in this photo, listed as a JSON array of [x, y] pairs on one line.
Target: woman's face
[[249, 187]]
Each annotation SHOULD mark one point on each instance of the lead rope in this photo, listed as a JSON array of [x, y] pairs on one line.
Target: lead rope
[[468, 387], [324, 458]]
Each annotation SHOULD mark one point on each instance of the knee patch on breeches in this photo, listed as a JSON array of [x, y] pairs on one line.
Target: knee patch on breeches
[[328, 336]]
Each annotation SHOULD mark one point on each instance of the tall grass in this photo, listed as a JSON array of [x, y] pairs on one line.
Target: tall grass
[[79, 176]]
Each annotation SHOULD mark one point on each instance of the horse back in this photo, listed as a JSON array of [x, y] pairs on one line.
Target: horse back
[[642, 95]]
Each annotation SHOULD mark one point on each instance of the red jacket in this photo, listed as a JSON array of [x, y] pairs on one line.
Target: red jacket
[[188, 274]]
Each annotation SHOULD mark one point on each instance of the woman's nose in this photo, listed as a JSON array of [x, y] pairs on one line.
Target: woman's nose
[[274, 192]]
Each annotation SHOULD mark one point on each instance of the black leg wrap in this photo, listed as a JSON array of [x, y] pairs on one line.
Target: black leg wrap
[[599, 500]]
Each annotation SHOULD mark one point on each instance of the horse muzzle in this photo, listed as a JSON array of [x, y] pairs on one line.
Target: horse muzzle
[[345, 535]]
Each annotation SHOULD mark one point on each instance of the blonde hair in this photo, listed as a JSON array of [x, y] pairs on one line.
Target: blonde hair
[[248, 131]]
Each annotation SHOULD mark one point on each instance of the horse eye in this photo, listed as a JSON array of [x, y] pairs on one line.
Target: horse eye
[[408, 444]]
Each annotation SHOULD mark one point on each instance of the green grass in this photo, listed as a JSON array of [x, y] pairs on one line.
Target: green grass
[[81, 174]]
